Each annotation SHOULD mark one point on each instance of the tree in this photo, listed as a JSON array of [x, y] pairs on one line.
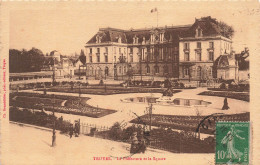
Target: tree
[[26, 61], [226, 30], [82, 57]]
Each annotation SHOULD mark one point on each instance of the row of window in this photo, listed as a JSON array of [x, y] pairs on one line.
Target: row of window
[[198, 56], [120, 50], [187, 45], [199, 72]]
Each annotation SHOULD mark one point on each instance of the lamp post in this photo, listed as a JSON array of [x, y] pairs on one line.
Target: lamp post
[[149, 111], [53, 131]]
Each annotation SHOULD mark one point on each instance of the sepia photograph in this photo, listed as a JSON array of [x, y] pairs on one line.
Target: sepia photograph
[[128, 82]]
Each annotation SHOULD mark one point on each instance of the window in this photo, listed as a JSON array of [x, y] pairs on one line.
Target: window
[[114, 58], [120, 69], [147, 69], [198, 56], [106, 58], [186, 45], [98, 50], [210, 72], [119, 50], [124, 50], [135, 40], [124, 69], [199, 72], [90, 50], [98, 57], [106, 50], [114, 50], [152, 53], [142, 53], [198, 45], [211, 56], [131, 58], [199, 32], [187, 56], [106, 71], [91, 71], [165, 69], [131, 50], [186, 71], [211, 45], [156, 68], [176, 59], [90, 59], [160, 53], [161, 36]]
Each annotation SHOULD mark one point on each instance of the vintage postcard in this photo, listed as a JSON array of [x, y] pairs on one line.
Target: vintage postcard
[[129, 82]]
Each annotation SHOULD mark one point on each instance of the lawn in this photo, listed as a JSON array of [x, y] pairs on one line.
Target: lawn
[[234, 95], [105, 90], [72, 105]]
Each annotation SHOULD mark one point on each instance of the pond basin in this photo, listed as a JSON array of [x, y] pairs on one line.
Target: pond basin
[[170, 101]]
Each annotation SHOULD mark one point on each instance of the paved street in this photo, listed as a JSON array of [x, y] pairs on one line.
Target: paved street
[[32, 146]]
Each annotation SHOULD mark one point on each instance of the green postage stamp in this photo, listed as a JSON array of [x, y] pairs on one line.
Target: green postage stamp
[[232, 142]]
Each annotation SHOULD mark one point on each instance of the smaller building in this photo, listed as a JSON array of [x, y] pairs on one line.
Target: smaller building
[[63, 66], [225, 67]]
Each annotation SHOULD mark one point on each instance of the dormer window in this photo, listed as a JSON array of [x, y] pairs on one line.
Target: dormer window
[[135, 40], [119, 39], [143, 40], [161, 36], [152, 37], [198, 32], [98, 39]]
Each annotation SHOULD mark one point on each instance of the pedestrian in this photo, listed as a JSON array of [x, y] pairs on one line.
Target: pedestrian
[[71, 131], [225, 106], [142, 143], [134, 143]]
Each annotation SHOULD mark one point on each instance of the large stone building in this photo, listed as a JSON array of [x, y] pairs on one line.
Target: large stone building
[[183, 52]]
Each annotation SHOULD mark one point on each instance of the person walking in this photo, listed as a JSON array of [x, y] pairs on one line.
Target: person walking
[[134, 143], [71, 131], [225, 106]]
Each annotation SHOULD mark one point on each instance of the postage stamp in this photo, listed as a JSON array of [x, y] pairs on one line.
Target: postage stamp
[[128, 82], [232, 142]]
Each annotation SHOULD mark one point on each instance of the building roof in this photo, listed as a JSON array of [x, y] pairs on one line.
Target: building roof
[[208, 25], [112, 34]]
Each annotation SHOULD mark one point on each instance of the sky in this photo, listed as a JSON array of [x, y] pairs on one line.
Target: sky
[[67, 28]]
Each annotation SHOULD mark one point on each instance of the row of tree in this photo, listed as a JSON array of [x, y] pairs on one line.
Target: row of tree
[[25, 61], [32, 60]]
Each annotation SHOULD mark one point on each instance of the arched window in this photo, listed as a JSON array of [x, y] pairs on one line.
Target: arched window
[[106, 71], [210, 72], [186, 71], [199, 72], [124, 69], [91, 71], [165, 69], [156, 68], [147, 69]]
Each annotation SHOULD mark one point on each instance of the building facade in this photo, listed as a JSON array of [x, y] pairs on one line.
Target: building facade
[[183, 52]]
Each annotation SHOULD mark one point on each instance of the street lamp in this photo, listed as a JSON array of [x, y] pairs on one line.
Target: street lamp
[[53, 131]]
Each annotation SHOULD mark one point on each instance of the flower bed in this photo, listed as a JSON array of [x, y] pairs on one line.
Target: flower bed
[[233, 95], [74, 105], [38, 118], [106, 90], [189, 123], [166, 139]]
